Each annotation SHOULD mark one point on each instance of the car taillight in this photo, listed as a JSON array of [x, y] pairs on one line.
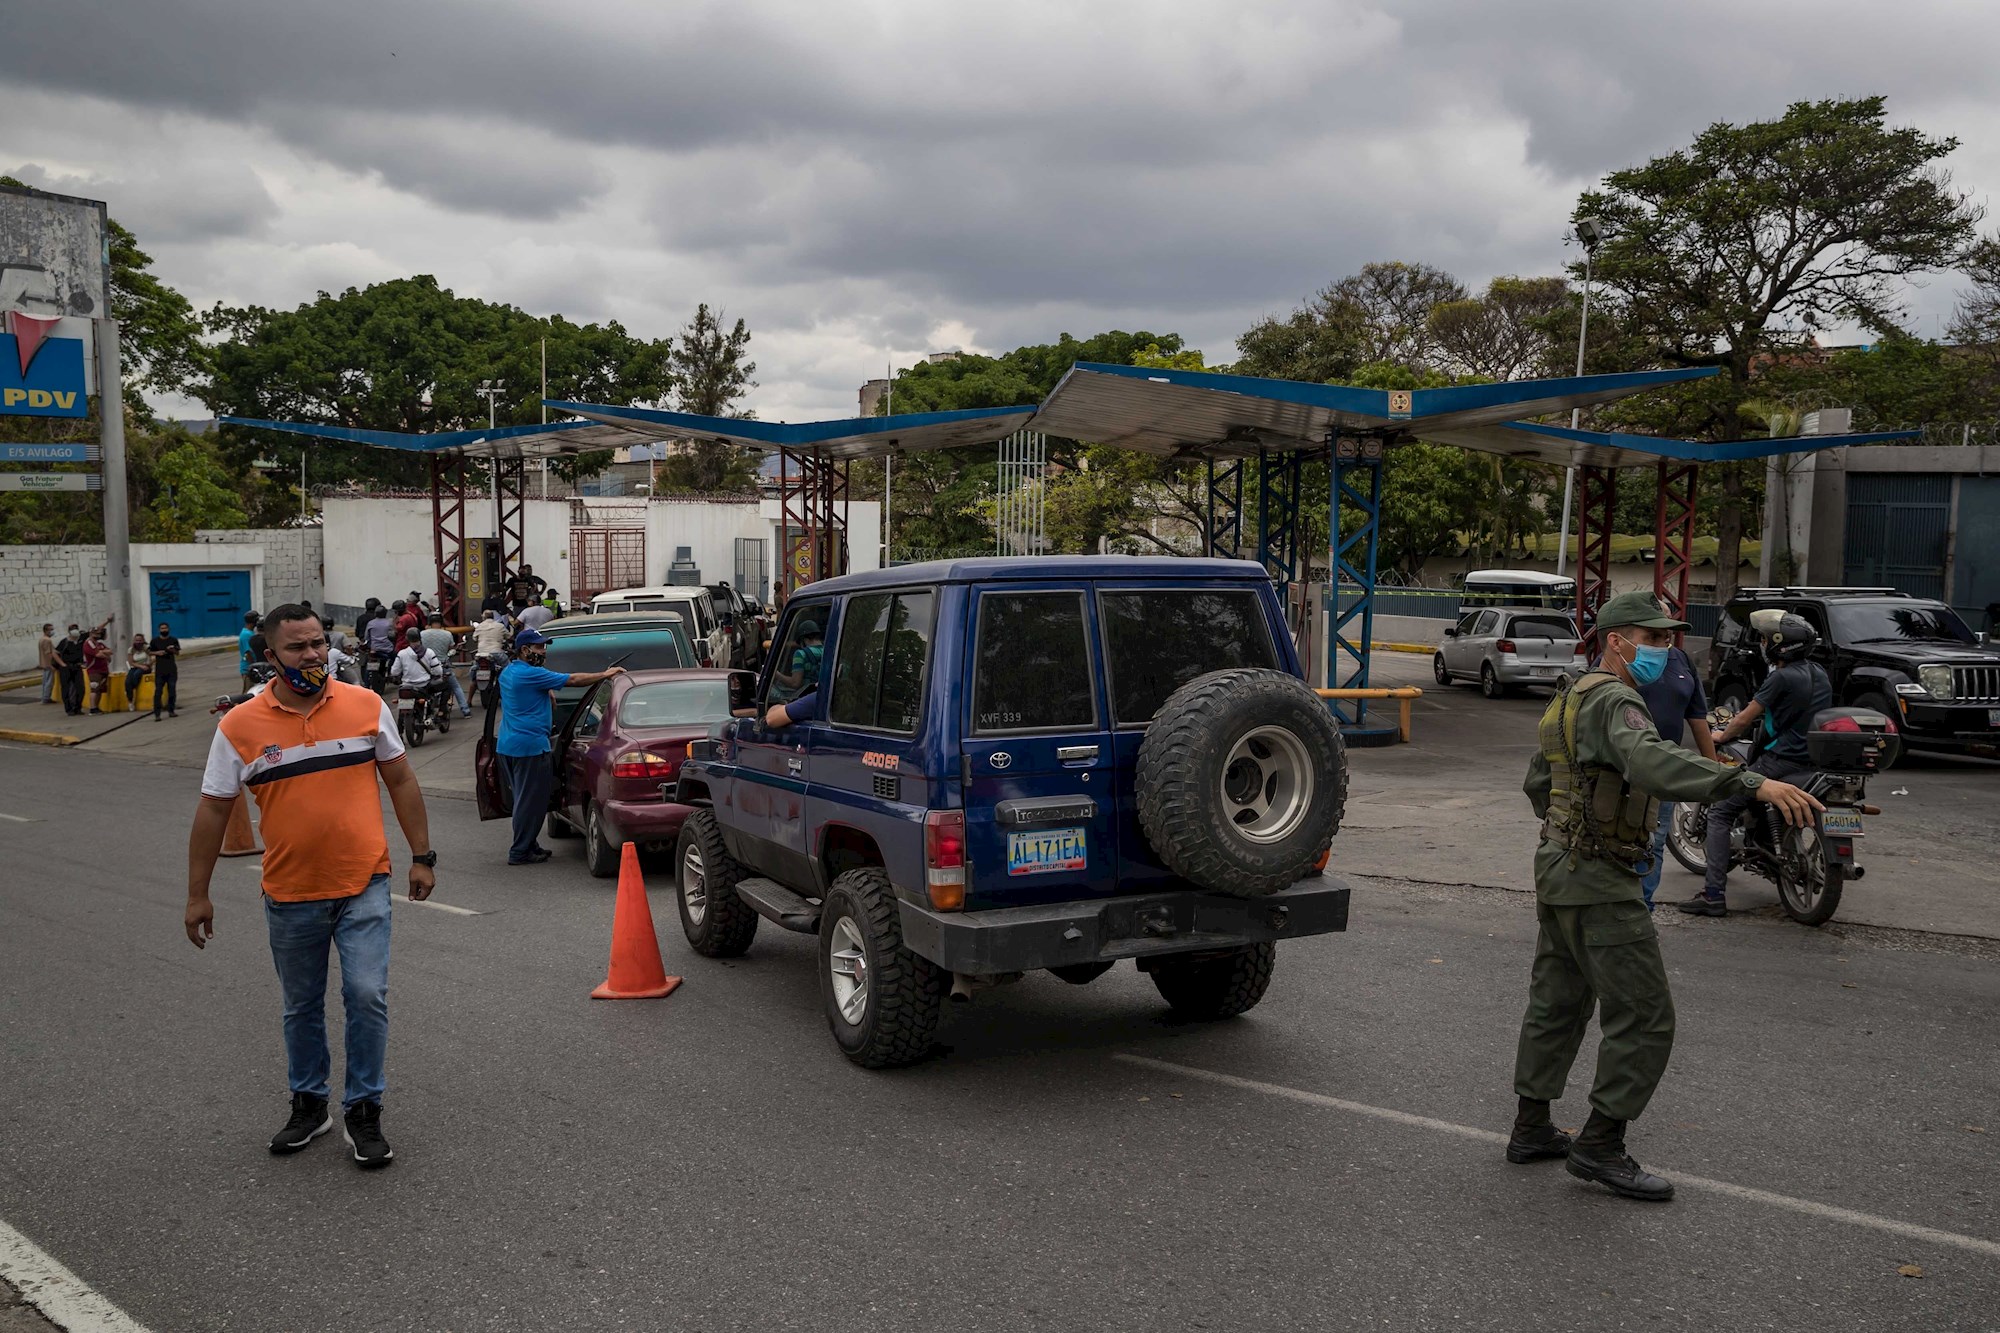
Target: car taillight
[[1505, 645], [944, 859], [645, 764], [1888, 728]]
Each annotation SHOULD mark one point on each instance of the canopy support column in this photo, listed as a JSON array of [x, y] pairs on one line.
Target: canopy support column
[[448, 498], [510, 483], [1673, 534], [1278, 474], [830, 522], [795, 514], [1597, 504], [1357, 486], [1225, 508]]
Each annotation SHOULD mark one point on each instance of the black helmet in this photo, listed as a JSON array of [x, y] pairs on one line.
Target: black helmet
[[1791, 640]]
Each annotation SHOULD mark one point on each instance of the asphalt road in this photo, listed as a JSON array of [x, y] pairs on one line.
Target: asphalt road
[[710, 1162]]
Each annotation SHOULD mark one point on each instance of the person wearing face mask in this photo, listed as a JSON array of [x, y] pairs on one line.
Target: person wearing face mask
[[1782, 712], [309, 749], [1680, 708], [527, 712], [1596, 779], [166, 651], [69, 670]]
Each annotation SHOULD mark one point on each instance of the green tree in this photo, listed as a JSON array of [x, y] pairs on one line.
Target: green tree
[[409, 355], [1738, 247], [711, 370], [188, 494], [1504, 333], [1381, 315]]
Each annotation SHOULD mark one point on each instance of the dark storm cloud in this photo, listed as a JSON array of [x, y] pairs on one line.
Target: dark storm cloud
[[859, 176]]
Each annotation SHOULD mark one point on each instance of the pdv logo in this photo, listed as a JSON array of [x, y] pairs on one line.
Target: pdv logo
[[40, 376]]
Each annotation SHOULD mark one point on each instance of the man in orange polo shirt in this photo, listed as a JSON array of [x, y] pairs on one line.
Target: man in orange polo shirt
[[309, 748]]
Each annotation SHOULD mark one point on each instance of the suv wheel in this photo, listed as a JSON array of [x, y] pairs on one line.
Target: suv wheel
[[1439, 669], [1216, 987], [600, 858], [716, 921], [882, 1001], [1241, 780]]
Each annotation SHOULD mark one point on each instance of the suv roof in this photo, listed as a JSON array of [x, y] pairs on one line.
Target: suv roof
[[1029, 568], [1769, 594], [683, 592]]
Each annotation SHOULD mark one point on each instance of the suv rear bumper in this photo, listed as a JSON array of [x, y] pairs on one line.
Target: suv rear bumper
[[1022, 939]]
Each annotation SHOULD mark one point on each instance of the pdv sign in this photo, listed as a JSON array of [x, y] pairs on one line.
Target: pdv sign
[[47, 381]]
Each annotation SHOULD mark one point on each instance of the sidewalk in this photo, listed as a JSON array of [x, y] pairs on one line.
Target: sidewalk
[[24, 717]]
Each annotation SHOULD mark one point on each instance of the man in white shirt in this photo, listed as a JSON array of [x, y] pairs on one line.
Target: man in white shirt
[[489, 636], [534, 616], [440, 642], [415, 666]]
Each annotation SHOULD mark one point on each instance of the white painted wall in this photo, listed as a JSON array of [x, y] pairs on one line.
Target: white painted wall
[[148, 557], [381, 547]]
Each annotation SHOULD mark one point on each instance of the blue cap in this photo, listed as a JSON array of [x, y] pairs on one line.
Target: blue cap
[[530, 635]]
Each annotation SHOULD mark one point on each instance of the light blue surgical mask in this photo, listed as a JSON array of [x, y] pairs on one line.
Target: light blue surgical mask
[[1647, 663]]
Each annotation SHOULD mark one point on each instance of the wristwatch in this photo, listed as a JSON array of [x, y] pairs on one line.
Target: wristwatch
[[427, 859]]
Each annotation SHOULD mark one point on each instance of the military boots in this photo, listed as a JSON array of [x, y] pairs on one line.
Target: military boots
[[1535, 1137], [1599, 1154]]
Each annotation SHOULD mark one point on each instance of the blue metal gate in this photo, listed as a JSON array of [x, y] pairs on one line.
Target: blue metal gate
[[200, 603], [1976, 561], [1896, 531]]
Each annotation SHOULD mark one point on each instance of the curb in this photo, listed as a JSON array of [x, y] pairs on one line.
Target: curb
[[38, 737], [1424, 649], [36, 677]]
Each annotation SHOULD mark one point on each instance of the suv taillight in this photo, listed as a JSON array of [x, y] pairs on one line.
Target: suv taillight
[[944, 859], [645, 764]]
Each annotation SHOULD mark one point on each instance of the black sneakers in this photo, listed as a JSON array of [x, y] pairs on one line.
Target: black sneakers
[[364, 1135], [309, 1120], [1703, 905]]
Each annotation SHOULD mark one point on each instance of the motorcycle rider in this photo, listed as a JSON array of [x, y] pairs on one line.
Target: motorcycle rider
[[1783, 710], [417, 668]]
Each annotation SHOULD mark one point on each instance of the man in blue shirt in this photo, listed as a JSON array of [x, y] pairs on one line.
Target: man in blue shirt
[[243, 659], [527, 712], [1678, 705]]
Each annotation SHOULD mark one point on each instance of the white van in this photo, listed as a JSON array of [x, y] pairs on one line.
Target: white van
[[1516, 587], [690, 601]]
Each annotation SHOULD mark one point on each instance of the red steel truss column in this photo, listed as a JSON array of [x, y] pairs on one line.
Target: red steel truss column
[[511, 480], [1597, 503], [796, 510], [1673, 534], [448, 535]]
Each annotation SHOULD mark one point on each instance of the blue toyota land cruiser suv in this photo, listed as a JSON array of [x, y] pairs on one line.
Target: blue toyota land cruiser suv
[[1054, 762]]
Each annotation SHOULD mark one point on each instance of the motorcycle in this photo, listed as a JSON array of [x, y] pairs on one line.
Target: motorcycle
[[420, 708], [486, 680], [1808, 865]]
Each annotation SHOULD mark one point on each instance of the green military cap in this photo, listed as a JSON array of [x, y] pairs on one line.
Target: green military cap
[[1639, 609]]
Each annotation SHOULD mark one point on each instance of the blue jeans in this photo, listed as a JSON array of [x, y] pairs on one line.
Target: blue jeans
[[48, 685], [531, 777], [1650, 881], [1722, 817], [359, 928], [458, 692]]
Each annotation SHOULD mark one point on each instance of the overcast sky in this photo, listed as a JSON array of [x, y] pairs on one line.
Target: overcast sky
[[866, 182]]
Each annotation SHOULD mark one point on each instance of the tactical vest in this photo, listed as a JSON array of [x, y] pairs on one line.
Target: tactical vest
[[1593, 811]]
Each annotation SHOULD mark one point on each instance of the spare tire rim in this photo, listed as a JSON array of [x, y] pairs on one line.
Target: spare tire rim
[[694, 886], [1267, 785], [847, 964]]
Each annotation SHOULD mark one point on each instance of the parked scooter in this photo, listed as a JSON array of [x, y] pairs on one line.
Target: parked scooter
[[1810, 865]]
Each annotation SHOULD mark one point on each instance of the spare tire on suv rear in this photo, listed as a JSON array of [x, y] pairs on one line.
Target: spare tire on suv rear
[[1241, 781]]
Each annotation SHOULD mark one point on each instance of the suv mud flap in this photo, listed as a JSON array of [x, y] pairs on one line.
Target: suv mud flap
[[1021, 939]]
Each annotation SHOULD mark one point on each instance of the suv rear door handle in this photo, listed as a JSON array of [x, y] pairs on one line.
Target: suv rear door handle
[[1070, 754]]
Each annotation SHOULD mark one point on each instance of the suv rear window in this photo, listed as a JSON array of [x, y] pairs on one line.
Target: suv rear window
[[1033, 667], [1156, 642]]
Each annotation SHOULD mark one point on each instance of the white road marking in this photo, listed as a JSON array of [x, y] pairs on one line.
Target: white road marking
[[436, 906], [19, 819], [59, 1294], [1809, 1207]]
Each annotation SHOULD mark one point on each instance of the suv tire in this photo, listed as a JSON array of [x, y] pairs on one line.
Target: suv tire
[[1241, 781], [716, 921], [1216, 987], [882, 1001]]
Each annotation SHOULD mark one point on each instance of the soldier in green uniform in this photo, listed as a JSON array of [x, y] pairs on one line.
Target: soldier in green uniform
[[1597, 778]]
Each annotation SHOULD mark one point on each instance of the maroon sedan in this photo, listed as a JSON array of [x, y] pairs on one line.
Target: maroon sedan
[[628, 736]]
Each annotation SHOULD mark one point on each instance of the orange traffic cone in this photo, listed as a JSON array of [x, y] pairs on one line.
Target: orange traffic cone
[[637, 970], [238, 839]]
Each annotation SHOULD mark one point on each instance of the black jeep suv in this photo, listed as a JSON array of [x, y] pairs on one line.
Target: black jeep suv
[[1909, 657]]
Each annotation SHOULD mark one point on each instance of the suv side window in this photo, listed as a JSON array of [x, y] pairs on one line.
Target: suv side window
[[1158, 641], [1730, 627], [878, 674], [795, 666], [1032, 668]]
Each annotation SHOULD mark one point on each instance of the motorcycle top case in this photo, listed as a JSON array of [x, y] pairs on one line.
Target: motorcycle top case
[[1852, 740]]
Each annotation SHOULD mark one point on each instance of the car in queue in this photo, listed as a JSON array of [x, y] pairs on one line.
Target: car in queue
[[619, 756], [638, 642], [1515, 587], [691, 602], [1506, 649]]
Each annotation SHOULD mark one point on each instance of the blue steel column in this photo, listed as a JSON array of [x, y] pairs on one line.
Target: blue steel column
[[1357, 481], [1278, 476], [1225, 524]]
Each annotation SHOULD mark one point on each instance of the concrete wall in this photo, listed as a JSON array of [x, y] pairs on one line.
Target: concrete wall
[[47, 584], [148, 557], [292, 560], [381, 546], [1826, 552]]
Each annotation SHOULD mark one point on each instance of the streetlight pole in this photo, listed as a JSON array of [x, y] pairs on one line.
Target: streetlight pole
[[1591, 232]]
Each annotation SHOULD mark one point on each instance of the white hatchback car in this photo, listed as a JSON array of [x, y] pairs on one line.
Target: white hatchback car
[[1502, 649]]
